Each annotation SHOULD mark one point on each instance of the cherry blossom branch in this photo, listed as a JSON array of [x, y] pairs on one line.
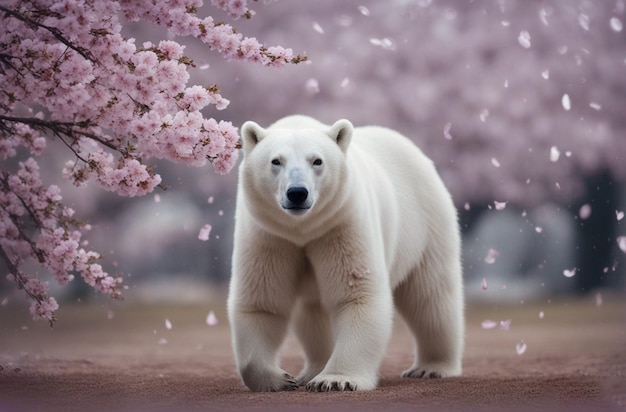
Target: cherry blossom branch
[[61, 128], [53, 30], [43, 306]]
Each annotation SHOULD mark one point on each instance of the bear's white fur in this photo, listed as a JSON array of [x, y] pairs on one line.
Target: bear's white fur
[[334, 225]]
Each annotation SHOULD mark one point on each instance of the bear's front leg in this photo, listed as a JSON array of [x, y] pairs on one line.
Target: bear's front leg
[[261, 298], [362, 331], [256, 339], [355, 291]]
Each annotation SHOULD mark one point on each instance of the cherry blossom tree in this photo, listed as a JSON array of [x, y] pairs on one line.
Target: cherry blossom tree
[[69, 77]]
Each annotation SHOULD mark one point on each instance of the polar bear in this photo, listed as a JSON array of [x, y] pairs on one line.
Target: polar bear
[[334, 225]]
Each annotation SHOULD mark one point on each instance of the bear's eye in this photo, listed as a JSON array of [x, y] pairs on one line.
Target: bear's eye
[[317, 162], [276, 162]]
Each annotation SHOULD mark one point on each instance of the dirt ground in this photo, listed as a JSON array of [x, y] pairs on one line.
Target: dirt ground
[[125, 358]]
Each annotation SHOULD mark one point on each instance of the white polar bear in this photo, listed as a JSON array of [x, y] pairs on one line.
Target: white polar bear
[[333, 226]]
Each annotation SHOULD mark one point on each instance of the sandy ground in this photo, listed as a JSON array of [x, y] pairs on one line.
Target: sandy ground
[[126, 358]]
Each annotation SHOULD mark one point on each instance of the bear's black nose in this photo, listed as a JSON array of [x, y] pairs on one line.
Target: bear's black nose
[[297, 195]]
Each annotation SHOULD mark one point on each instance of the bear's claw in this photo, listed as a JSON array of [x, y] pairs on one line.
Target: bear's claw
[[329, 386], [326, 386], [421, 373], [290, 383]]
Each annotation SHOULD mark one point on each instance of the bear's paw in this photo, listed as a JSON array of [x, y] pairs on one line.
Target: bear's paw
[[268, 380]]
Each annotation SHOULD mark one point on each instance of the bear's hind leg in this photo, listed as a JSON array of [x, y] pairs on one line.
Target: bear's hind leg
[[313, 329], [431, 303]]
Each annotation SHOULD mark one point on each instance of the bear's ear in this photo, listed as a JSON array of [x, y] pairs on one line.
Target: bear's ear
[[251, 133], [341, 132]]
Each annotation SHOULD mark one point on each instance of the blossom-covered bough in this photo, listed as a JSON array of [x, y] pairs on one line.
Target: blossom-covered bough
[[68, 76]]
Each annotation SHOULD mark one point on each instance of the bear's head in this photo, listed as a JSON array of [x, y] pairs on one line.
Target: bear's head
[[297, 170]]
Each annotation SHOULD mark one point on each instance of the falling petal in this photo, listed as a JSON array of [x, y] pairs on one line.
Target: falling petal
[[312, 86], [491, 257], [162, 341], [583, 21], [541, 315], [505, 324], [565, 101], [364, 10], [488, 324], [483, 285], [484, 114], [5, 302], [595, 106], [554, 154], [210, 200], [204, 232], [585, 211], [168, 324], [211, 319], [520, 348], [495, 162], [616, 24], [345, 82], [385, 43], [157, 198], [318, 28], [538, 229], [621, 242], [204, 67], [568, 273], [500, 205], [543, 15], [524, 39], [446, 131], [545, 74], [110, 314], [619, 214]]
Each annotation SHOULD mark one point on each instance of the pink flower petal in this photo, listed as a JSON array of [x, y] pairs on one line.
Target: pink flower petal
[[204, 232], [520, 348], [585, 211], [488, 324], [505, 324], [491, 257], [211, 319]]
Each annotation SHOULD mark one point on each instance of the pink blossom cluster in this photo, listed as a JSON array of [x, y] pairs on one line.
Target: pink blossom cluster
[[23, 201], [67, 72], [235, 8]]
